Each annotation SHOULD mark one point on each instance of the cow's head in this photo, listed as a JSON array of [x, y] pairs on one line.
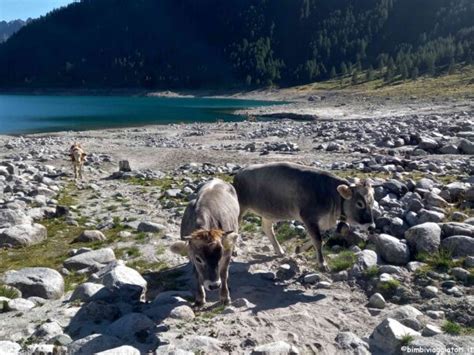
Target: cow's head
[[358, 202], [209, 251]]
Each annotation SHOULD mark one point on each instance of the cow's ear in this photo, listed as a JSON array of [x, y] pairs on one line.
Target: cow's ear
[[84, 154], [228, 240], [345, 191], [180, 248]]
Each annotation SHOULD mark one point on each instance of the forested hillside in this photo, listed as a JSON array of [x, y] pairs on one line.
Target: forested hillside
[[232, 43]]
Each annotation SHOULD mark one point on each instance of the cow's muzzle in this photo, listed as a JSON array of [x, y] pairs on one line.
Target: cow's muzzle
[[212, 285]]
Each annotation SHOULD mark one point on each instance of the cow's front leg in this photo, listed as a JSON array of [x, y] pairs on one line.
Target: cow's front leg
[[200, 295], [75, 171], [315, 234], [267, 227], [224, 292], [80, 171]]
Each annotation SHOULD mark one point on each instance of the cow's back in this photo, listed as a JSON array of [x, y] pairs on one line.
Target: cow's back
[[279, 191], [215, 206]]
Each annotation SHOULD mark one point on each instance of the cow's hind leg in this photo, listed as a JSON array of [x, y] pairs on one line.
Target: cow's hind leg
[[267, 227], [317, 240]]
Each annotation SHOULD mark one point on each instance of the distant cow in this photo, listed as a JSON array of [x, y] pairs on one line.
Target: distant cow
[[283, 191], [78, 158], [209, 232]]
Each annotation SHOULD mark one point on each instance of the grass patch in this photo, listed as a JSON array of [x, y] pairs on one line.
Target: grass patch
[[388, 288], [458, 84], [213, 312], [127, 253], [452, 328], [371, 272], [284, 232], [142, 265], [72, 280], [342, 261], [66, 196], [406, 339], [8, 292], [439, 261], [249, 227]]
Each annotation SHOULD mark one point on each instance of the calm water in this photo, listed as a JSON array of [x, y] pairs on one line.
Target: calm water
[[23, 114]]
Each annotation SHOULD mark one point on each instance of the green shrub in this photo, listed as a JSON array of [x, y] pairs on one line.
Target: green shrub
[[342, 261]]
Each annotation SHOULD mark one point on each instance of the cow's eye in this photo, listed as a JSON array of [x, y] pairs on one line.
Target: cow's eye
[[199, 260], [360, 204]]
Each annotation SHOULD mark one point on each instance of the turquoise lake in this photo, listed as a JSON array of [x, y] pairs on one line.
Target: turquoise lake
[[31, 113]]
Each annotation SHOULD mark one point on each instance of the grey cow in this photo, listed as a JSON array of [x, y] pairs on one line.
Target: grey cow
[[283, 191], [209, 231]]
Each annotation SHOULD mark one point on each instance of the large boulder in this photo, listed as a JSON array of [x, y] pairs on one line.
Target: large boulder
[[22, 235], [364, 259], [121, 350], [9, 218], [89, 236], [36, 281], [92, 259], [466, 146], [459, 245], [129, 325], [424, 238], [150, 227], [86, 291], [387, 337], [93, 344], [9, 348], [456, 228], [123, 281], [391, 249]]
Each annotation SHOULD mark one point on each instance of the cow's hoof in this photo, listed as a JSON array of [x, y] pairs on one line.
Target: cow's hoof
[[198, 305], [225, 301], [324, 267]]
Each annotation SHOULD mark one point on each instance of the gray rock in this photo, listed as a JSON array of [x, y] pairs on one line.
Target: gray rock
[[425, 237], [183, 313], [173, 192], [433, 200], [36, 281], [84, 292], [426, 143], [460, 273], [459, 245], [275, 348], [123, 281], [387, 336], [350, 342], [20, 304], [150, 227], [93, 344], [449, 149], [22, 235], [407, 315], [430, 292], [431, 330], [127, 326], [9, 218], [91, 259], [377, 301], [466, 146], [469, 261], [48, 330], [121, 350], [311, 278], [430, 216], [365, 259], [9, 348], [391, 249], [89, 236], [455, 228]]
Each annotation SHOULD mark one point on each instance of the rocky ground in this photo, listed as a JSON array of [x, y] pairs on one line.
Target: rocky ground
[[86, 267]]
